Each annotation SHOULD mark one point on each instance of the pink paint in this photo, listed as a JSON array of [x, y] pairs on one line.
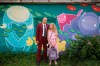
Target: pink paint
[[79, 13], [64, 19]]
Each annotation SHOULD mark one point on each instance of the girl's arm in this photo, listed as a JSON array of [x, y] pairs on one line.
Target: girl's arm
[[56, 37], [48, 38], [56, 34]]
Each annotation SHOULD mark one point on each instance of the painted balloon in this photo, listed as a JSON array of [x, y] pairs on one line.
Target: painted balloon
[[84, 4], [88, 23], [96, 8], [14, 16], [71, 7]]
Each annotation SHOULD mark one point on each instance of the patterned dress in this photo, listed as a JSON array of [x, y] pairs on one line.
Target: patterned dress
[[52, 40]]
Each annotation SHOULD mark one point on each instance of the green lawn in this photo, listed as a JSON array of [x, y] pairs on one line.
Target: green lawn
[[22, 59]]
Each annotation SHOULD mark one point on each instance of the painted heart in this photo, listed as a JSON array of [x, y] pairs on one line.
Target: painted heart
[[19, 30]]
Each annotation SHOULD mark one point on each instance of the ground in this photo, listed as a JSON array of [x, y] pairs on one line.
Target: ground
[[29, 59]]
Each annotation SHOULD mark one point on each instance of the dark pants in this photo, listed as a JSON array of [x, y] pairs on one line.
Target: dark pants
[[42, 42]]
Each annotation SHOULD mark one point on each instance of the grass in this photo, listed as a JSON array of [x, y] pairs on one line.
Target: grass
[[29, 59]]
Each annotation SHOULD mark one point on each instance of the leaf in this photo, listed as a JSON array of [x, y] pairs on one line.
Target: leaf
[[54, 16], [5, 35], [14, 28], [72, 30], [7, 30], [60, 31], [24, 26], [30, 10], [48, 14], [2, 6], [38, 14], [4, 9], [65, 34], [20, 31]]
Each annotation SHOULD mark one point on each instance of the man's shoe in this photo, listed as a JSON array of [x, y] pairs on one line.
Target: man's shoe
[[46, 60], [37, 63]]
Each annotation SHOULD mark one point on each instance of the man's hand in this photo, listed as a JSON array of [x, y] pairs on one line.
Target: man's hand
[[37, 42]]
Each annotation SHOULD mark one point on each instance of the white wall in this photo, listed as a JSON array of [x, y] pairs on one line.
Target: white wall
[[40, 0], [48, 0], [9, 0], [26, 0]]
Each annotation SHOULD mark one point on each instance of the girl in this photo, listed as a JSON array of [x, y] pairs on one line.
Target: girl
[[52, 37]]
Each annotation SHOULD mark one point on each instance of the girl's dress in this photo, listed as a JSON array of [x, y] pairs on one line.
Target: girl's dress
[[52, 36]]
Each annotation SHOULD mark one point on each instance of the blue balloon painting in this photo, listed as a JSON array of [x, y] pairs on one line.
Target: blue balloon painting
[[14, 16]]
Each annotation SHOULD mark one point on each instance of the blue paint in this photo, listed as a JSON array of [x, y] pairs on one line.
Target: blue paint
[[13, 39]]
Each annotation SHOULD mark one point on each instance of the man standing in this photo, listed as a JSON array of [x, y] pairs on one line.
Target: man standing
[[41, 39]]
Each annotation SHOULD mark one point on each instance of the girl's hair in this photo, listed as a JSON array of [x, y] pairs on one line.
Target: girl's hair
[[54, 27]]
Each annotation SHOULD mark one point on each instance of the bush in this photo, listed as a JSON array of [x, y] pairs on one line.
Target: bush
[[87, 47]]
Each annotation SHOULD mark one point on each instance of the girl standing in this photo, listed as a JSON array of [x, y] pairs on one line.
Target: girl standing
[[52, 38]]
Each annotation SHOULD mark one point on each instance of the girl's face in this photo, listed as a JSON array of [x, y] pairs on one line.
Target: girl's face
[[51, 26]]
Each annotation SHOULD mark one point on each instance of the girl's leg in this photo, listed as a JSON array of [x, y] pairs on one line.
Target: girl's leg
[[50, 62], [57, 50], [55, 62]]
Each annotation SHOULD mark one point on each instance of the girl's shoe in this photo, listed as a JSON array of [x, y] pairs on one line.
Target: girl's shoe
[[55, 63], [50, 64]]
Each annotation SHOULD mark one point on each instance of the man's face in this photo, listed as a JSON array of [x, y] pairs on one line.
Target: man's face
[[44, 20]]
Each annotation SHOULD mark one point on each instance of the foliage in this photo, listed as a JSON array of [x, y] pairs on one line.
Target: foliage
[[87, 47]]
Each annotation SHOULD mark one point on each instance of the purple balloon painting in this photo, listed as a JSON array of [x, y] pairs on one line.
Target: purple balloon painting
[[86, 24]]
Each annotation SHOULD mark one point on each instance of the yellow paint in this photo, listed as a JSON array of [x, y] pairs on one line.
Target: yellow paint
[[34, 39], [61, 45], [29, 41], [58, 40]]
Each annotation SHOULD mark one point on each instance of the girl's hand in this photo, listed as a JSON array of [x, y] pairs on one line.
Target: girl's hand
[[48, 40], [52, 45]]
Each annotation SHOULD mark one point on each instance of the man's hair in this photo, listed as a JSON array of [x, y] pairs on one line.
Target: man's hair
[[44, 17]]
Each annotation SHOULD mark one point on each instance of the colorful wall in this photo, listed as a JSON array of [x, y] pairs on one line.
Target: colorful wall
[[18, 24]]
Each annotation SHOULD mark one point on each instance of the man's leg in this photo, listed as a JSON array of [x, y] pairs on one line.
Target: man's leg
[[45, 48], [39, 51]]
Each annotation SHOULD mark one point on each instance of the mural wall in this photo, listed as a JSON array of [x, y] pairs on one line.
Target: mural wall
[[18, 24]]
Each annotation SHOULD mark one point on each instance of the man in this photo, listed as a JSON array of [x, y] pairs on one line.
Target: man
[[41, 39]]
